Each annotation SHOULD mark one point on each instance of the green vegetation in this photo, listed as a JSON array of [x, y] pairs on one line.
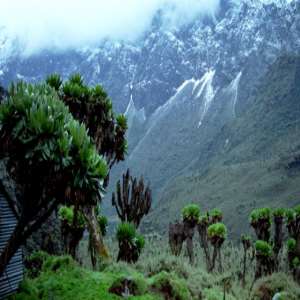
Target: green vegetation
[[291, 244], [191, 212], [263, 248], [279, 212], [54, 154], [217, 230], [130, 242], [261, 213]]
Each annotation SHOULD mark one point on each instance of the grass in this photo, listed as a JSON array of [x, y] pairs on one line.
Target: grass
[[157, 275]]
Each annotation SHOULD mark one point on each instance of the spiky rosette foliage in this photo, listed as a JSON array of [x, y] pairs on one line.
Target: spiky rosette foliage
[[72, 228], [216, 215], [217, 231], [49, 155], [279, 212], [191, 213], [54, 81], [263, 248], [132, 199], [67, 214], [103, 222], [91, 106], [126, 232], [261, 222], [130, 242]]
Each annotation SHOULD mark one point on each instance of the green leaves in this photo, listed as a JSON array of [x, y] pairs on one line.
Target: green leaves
[[54, 81], [279, 212], [103, 222], [126, 231], [263, 248], [45, 132], [291, 244], [122, 122], [261, 213], [66, 213], [217, 230], [191, 212]]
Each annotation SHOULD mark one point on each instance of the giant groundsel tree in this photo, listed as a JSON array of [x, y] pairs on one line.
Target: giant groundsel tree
[[51, 158]]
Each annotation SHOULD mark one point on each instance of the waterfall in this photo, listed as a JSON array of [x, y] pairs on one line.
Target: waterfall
[[206, 89], [233, 88], [132, 112]]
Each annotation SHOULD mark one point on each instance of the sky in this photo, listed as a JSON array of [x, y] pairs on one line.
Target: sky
[[65, 24]]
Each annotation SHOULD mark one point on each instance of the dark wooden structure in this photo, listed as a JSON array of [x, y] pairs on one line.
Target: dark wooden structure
[[13, 275]]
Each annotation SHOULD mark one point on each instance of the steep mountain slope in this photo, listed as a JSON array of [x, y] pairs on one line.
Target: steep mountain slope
[[253, 159]]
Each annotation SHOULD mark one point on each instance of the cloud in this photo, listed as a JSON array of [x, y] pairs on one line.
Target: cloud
[[62, 24]]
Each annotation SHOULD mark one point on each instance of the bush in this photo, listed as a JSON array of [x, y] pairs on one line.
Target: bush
[[217, 230], [34, 263], [267, 287], [55, 263], [291, 244], [191, 212], [263, 248], [170, 286]]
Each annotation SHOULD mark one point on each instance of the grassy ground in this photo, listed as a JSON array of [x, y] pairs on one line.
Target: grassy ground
[[157, 275]]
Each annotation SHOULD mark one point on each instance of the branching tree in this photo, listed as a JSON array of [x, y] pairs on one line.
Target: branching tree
[[132, 199], [92, 107], [51, 159]]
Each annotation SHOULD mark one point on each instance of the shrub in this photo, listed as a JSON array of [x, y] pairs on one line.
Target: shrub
[[170, 286], [34, 263], [291, 244], [263, 248], [54, 263], [281, 283], [191, 212]]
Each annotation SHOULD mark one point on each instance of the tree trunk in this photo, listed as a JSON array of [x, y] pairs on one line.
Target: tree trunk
[[95, 232], [278, 239], [213, 261]]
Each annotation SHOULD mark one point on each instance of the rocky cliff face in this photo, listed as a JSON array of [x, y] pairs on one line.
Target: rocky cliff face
[[182, 88]]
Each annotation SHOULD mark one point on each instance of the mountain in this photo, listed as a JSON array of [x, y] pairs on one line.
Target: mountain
[[211, 104]]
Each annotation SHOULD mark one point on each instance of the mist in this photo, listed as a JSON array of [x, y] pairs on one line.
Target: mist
[[63, 24]]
